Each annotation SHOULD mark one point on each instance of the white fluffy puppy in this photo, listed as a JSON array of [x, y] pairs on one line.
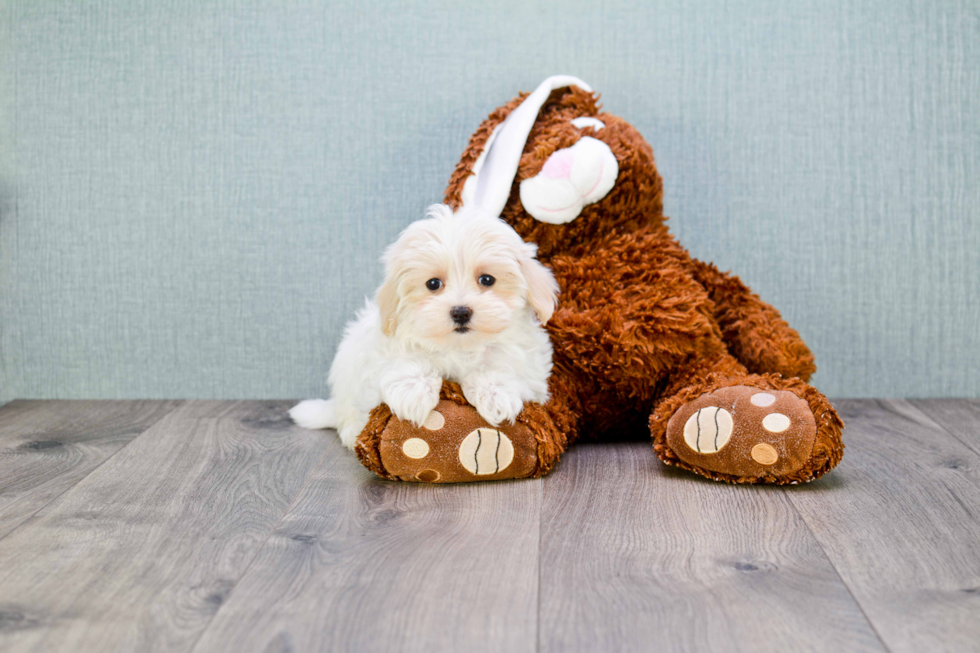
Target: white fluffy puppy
[[463, 300]]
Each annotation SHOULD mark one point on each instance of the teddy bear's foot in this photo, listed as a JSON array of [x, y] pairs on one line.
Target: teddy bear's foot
[[749, 434], [454, 445]]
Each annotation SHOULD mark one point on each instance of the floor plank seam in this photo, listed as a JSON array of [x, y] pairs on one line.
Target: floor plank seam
[[91, 471], [788, 491], [966, 443], [537, 622], [260, 549]]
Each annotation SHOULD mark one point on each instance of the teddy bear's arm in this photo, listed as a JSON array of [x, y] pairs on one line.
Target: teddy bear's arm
[[755, 332]]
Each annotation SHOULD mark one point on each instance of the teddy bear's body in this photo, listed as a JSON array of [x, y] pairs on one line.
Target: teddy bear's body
[[645, 337]]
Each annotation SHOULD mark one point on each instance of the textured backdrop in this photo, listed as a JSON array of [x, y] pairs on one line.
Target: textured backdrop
[[194, 194]]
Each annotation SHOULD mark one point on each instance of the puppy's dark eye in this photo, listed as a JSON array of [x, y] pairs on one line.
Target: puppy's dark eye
[[486, 280], [433, 284]]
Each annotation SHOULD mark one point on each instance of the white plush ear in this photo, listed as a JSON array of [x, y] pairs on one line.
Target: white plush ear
[[468, 194], [495, 168], [542, 289]]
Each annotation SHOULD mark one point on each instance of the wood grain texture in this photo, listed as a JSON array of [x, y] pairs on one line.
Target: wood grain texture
[[46, 447], [900, 520], [362, 564], [636, 556], [959, 417], [140, 554], [222, 527]]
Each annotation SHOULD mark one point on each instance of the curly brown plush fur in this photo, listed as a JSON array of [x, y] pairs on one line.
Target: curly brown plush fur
[[642, 328]]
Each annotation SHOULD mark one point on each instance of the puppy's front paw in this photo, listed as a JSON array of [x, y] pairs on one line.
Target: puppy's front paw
[[413, 398], [495, 403]]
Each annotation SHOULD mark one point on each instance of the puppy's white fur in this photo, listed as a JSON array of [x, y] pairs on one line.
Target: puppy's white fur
[[402, 345]]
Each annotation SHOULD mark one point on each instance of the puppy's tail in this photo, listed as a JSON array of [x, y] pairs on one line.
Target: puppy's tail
[[315, 414]]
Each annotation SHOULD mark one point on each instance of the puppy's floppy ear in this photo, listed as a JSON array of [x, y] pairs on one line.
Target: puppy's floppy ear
[[542, 289], [387, 296], [387, 300]]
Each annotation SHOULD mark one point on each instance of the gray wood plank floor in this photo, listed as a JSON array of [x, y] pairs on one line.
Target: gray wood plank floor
[[47, 447], [219, 526]]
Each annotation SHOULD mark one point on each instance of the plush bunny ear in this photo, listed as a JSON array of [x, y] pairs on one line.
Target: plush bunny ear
[[496, 167]]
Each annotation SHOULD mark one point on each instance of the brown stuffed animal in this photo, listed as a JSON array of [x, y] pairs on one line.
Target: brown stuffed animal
[[645, 336]]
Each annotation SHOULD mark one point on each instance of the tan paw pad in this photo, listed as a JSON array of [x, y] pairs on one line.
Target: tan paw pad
[[415, 448], [708, 430], [428, 476], [775, 422], [434, 421], [486, 451], [765, 454]]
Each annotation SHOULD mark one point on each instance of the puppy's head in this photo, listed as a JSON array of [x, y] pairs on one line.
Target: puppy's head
[[459, 279]]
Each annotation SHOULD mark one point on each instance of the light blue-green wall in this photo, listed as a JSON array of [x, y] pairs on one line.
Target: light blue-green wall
[[193, 194]]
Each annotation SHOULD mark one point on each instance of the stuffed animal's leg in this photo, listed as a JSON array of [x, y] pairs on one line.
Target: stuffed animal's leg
[[456, 445], [737, 427], [755, 332]]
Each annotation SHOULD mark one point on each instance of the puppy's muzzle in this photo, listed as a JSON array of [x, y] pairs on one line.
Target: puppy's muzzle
[[461, 316]]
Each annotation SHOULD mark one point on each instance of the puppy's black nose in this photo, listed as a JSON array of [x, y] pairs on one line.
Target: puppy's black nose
[[461, 314]]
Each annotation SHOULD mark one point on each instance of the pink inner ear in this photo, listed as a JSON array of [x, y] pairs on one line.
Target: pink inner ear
[[559, 165]]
